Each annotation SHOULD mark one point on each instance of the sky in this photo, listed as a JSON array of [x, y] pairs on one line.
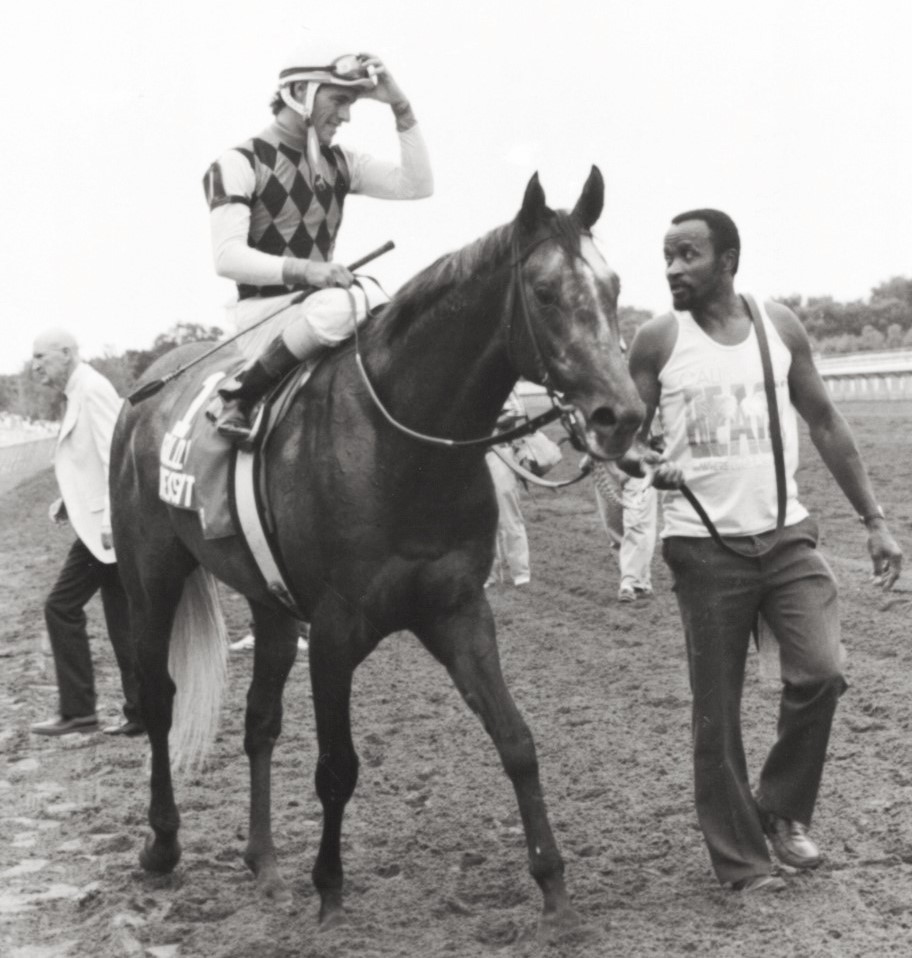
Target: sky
[[791, 115]]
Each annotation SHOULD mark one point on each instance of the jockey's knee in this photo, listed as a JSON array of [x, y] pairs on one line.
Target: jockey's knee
[[328, 317], [300, 339]]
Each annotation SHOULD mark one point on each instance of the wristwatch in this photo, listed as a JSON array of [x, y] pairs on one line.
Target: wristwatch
[[878, 513]]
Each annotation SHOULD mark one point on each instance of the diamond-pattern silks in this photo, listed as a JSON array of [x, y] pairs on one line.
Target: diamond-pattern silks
[[292, 211]]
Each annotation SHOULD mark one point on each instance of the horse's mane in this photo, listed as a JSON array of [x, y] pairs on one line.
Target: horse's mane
[[479, 258]]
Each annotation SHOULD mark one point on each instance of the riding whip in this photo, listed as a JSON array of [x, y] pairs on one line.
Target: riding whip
[[151, 388]]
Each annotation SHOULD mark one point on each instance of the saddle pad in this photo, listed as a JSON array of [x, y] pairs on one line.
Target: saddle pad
[[194, 461]]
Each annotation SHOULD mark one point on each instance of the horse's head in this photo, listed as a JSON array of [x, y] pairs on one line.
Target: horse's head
[[563, 329]]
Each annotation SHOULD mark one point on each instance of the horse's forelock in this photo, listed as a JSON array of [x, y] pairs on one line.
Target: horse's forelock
[[568, 232]]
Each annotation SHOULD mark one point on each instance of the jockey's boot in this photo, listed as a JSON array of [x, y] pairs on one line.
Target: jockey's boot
[[249, 386]]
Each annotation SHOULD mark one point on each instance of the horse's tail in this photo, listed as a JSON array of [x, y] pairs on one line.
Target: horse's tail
[[198, 663]]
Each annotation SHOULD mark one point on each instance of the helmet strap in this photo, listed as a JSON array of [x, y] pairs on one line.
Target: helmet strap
[[302, 109], [305, 110]]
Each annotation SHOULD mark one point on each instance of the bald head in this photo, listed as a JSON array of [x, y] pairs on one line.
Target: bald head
[[55, 355], [56, 339]]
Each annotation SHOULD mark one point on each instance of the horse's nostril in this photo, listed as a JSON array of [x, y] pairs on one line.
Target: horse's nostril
[[603, 417]]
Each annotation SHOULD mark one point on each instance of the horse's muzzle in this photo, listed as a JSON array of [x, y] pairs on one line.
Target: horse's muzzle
[[610, 430]]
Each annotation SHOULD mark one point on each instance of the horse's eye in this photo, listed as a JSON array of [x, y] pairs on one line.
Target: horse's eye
[[546, 295]]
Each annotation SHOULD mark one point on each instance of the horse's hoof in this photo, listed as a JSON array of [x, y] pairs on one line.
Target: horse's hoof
[[562, 922], [335, 919], [159, 858], [274, 890], [332, 915]]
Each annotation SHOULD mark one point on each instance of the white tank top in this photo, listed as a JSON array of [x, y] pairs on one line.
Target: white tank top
[[713, 411]]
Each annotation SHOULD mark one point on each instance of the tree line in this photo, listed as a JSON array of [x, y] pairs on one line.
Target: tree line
[[882, 321], [22, 395]]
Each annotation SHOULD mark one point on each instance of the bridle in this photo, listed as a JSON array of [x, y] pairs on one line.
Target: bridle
[[516, 298]]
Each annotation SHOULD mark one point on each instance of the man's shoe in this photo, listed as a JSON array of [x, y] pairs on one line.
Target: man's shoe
[[791, 842], [626, 594], [764, 883], [130, 728], [66, 726]]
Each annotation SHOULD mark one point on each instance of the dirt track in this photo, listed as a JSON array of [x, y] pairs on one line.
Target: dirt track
[[434, 856]]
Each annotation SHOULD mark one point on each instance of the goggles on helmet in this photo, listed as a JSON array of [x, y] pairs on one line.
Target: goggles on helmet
[[348, 68]]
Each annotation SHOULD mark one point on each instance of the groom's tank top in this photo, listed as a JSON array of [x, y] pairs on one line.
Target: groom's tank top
[[713, 412]]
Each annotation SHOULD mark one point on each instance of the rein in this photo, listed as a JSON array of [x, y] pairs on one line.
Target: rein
[[775, 438], [558, 410], [530, 477]]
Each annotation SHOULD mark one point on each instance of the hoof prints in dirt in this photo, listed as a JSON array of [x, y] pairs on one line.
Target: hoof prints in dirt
[[435, 858]]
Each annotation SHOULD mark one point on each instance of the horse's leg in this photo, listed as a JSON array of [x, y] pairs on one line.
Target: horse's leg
[[332, 664], [464, 641], [151, 617], [274, 654]]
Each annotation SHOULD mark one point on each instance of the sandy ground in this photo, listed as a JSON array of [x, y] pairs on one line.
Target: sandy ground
[[434, 856]]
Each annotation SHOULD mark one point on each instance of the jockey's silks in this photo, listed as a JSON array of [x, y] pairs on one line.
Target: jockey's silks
[[293, 212]]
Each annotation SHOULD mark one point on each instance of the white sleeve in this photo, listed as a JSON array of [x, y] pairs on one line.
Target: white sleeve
[[230, 184], [409, 179]]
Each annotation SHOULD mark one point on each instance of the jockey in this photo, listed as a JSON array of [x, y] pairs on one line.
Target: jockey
[[275, 209]]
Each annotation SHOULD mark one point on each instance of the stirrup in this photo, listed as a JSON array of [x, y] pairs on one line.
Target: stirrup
[[245, 437]]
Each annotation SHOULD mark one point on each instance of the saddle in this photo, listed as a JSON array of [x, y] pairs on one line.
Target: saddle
[[224, 484]]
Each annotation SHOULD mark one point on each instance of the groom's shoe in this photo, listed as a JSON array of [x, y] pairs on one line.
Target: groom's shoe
[[791, 842]]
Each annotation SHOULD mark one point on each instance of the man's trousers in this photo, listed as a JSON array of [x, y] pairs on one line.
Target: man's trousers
[[720, 596], [80, 578]]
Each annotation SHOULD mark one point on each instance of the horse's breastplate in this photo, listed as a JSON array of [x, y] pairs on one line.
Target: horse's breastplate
[[290, 213]]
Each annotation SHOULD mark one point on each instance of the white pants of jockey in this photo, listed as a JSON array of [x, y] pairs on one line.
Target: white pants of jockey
[[634, 536], [512, 542], [323, 320]]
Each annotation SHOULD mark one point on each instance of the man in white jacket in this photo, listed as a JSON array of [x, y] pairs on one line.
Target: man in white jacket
[[81, 466]]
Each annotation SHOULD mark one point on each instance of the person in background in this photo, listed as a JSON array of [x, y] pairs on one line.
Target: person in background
[[639, 504], [81, 467], [512, 546], [628, 508]]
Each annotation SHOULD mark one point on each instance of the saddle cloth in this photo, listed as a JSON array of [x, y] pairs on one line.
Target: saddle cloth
[[196, 464], [194, 460]]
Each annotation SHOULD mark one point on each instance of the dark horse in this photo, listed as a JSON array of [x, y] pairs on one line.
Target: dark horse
[[380, 532]]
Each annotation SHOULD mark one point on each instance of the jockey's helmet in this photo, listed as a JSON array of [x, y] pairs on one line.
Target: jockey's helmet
[[316, 61], [325, 60]]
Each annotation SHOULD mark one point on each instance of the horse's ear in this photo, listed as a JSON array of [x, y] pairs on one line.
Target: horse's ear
[[589, 206], [533, 205]]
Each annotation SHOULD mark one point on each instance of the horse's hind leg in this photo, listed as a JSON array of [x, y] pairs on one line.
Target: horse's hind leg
[[464, 641], [152, 609], [274, 654]]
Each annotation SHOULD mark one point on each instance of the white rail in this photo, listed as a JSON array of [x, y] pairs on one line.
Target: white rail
[[19, 461], [868, 377]]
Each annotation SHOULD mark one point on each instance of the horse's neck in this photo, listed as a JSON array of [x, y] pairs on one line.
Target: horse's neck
[[448, 372]]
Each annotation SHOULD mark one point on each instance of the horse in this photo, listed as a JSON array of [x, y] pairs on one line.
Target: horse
[[380, 532]]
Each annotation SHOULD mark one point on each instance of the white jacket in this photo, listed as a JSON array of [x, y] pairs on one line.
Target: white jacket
[[83, 453]]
